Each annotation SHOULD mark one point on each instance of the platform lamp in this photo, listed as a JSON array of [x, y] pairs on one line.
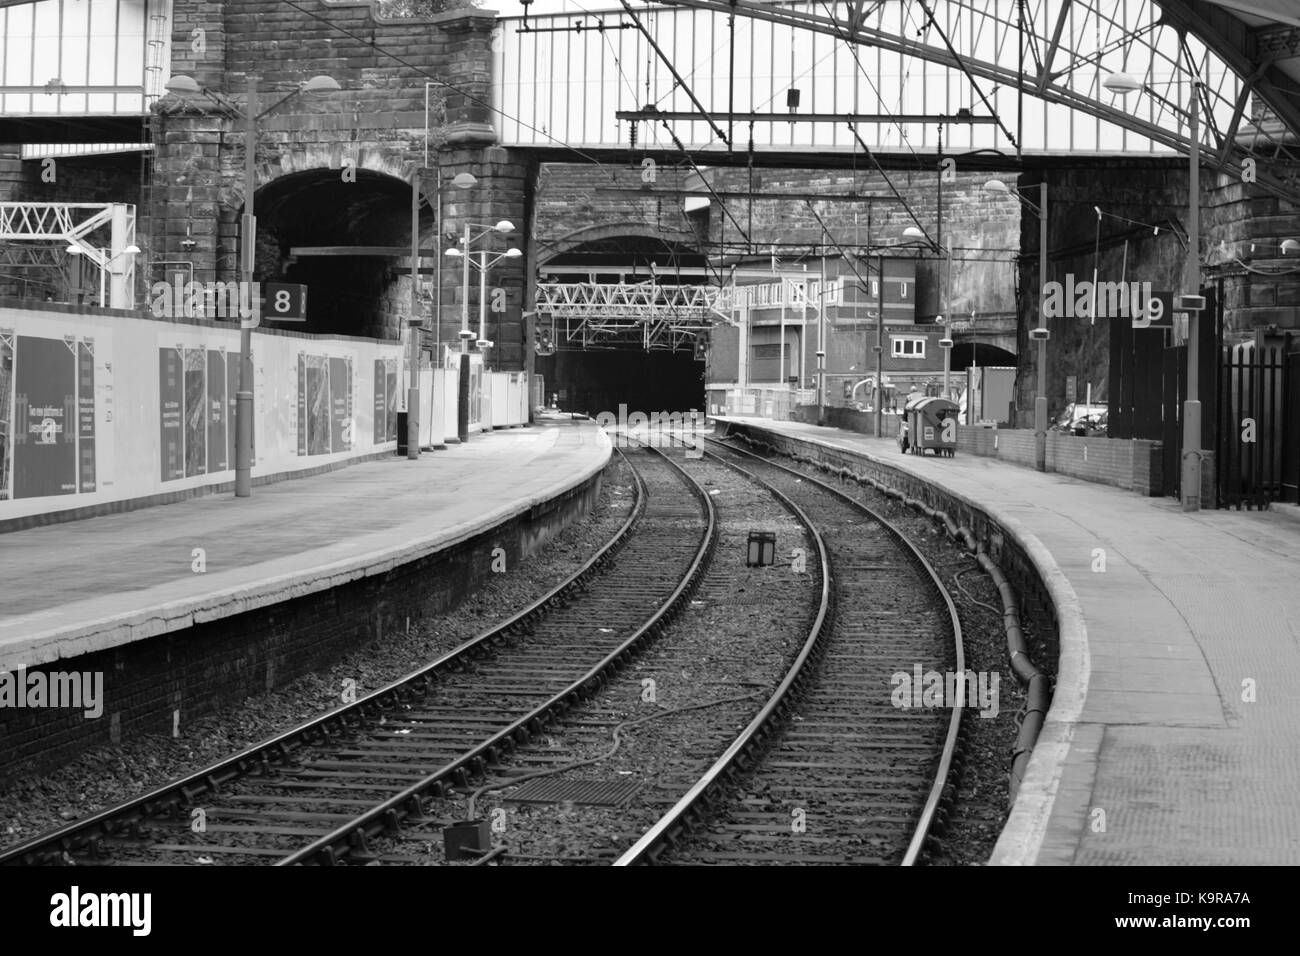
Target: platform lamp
[[461, 181], [319, 85], [1193, 303], [462, 410], [1041, 333]]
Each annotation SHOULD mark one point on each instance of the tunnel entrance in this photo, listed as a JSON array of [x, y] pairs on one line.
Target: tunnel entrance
[[592, 382], [346, 294], [616, 367]]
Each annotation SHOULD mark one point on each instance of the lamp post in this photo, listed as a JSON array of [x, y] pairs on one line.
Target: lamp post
[[1190, 485], [187, 86], [504, 226], [1041, 333]]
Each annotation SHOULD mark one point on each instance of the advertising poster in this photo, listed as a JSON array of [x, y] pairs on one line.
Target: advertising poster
[[196, 400], [171, 401], [218, 448], [6, 412], [391, 433], [381, 401], [340, 375], [302, 404], [45, 388], [316, 390], [86, 413], [232, 391]]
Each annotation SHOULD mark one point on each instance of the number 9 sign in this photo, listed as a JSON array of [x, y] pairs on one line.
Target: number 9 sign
[[285, 302]]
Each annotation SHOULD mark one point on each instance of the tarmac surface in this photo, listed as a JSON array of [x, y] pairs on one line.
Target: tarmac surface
[[86, 585]]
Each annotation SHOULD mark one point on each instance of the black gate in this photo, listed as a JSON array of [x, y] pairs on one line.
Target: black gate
[[1258, 451], [1148, 385]]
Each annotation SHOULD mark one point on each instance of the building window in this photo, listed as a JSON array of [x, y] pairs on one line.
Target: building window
[[908, 347]]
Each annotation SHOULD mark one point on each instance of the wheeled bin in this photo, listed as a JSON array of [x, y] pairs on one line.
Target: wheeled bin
[[930, 423]]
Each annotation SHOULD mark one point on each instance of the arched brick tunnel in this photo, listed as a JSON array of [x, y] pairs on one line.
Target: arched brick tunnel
[[349, 294], [595, 380]]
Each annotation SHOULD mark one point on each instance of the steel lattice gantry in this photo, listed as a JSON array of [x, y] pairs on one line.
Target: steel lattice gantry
[[1035, 66], [642, 315], [101, 231]]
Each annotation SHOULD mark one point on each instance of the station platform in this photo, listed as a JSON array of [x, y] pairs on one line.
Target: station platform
[[98, 583], [1176, 710]]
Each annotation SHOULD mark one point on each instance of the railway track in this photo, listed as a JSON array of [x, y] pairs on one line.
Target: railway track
[[608, 769], [321, 792], [830, 770]]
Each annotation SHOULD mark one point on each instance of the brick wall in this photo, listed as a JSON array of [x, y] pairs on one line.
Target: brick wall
[[1133, 465], [214, 665]]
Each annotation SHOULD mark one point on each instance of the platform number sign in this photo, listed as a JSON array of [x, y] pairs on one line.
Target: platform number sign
[[285, 302]]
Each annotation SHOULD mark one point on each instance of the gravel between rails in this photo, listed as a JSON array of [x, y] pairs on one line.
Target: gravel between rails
[[108, 775], [980, 810], [727, 651]]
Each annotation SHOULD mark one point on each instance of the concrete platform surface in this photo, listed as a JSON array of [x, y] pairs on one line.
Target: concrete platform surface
[[86, 585], [1174, 734]]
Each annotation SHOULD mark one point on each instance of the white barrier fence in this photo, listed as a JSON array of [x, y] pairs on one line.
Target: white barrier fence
[[97, 407]]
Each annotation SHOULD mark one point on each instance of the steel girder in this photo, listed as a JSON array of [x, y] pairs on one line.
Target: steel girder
[[625, 314], [1069, 47]]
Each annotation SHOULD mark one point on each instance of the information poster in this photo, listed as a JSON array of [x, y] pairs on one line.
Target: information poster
[[45, 387], [218, 447], [381, 402], [196, 403], [340, 375], [6, 412], [171, 403], [318, 407], [392, 400], [302, 404], [325, 404], [232, 400], [86, 414], [197, 406]]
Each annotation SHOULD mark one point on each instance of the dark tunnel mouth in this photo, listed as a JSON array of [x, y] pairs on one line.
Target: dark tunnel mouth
[[346, 295], [603, 379]]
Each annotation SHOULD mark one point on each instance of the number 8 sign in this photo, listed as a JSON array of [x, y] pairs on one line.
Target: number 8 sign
[[285, 302]]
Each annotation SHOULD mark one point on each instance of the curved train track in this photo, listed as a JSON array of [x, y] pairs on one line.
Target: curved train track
[[320, 792], [830, 770]]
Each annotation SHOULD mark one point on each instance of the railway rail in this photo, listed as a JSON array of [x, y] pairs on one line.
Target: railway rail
[[829, 770], [321, 792]]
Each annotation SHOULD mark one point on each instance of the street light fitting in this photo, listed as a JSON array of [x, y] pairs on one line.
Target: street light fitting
[[911, 232], [505, 225], [454, 253], [513, 253], [463, 180], [996, 186], [1122, 83], [183, 86], [1290, 245], [320, 85]]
